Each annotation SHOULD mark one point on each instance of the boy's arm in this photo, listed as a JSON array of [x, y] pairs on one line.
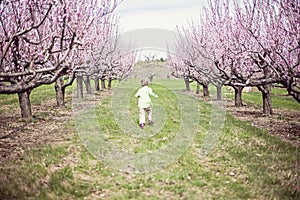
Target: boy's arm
[[137, 94], [151, 93]]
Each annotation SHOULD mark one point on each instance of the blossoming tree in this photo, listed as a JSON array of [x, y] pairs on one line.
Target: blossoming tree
[[253, 43], [43, 40]]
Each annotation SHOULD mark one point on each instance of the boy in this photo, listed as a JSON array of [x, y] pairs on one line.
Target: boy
[[145, 103]]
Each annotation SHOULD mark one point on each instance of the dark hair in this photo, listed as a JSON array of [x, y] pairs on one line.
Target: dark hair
[[144, 82]]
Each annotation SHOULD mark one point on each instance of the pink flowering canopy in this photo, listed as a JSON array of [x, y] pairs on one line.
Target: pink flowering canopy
[[251, 42], [42, 40]]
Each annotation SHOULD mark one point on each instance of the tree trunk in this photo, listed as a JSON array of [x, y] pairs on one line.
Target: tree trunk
[[219, 92], [238, 91], [109, 83], [289, 86], [87, 83], [151, 78], [60, 92], [103, 84], [266, 94], [187, 84], [267, 99], [205, 89], [25, 105], [79, 87], [198, 88], [97, 86]]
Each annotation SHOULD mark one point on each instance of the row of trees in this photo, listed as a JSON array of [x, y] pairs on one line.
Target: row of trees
[[43, 41], [242, 43], [112, 60]]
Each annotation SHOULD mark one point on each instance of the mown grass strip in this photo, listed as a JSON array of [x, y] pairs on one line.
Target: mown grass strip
[[245, 163]]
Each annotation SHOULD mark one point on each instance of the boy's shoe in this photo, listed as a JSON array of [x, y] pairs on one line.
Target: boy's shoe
[[142, 126], [151, 123]]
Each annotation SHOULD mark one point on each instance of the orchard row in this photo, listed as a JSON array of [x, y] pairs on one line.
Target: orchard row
[[236, 43]]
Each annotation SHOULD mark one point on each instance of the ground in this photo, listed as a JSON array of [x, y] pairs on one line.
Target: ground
[[283, 123], [48, 126]]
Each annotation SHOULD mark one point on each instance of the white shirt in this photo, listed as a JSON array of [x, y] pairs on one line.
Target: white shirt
[[144, 98]]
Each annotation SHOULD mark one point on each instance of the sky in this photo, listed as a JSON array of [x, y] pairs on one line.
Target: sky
[[165, 14], [154, 22]]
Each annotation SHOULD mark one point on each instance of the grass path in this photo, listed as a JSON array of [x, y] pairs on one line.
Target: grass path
[[244, 163]]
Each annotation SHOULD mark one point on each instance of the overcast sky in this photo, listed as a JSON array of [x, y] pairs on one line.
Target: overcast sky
[[164, 14], [141, 21]]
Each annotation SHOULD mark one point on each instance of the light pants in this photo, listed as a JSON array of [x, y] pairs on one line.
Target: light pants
[[142, 114]]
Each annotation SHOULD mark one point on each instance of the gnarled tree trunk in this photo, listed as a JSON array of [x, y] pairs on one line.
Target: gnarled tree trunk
[[60, 88], [79, 81], [60, 92], [25, 105], [87, 83], [97, 85], [238, 91], [109, 83], [267, 99], [103, 86], [266, 94], [187, 84], [288, 84], [205, 89]]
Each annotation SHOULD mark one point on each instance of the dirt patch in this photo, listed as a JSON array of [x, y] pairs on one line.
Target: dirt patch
[[51, 125], [283, 123], [47, 127]]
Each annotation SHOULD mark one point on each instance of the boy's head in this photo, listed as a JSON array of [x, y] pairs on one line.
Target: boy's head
[[144, 82]]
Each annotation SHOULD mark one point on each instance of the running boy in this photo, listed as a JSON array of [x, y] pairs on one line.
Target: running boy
[[145, 103]]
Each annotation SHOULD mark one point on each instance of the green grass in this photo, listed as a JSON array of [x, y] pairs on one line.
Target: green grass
[[166, 99], [10, 102], [280, 99], [23, 179], [246, 163]]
